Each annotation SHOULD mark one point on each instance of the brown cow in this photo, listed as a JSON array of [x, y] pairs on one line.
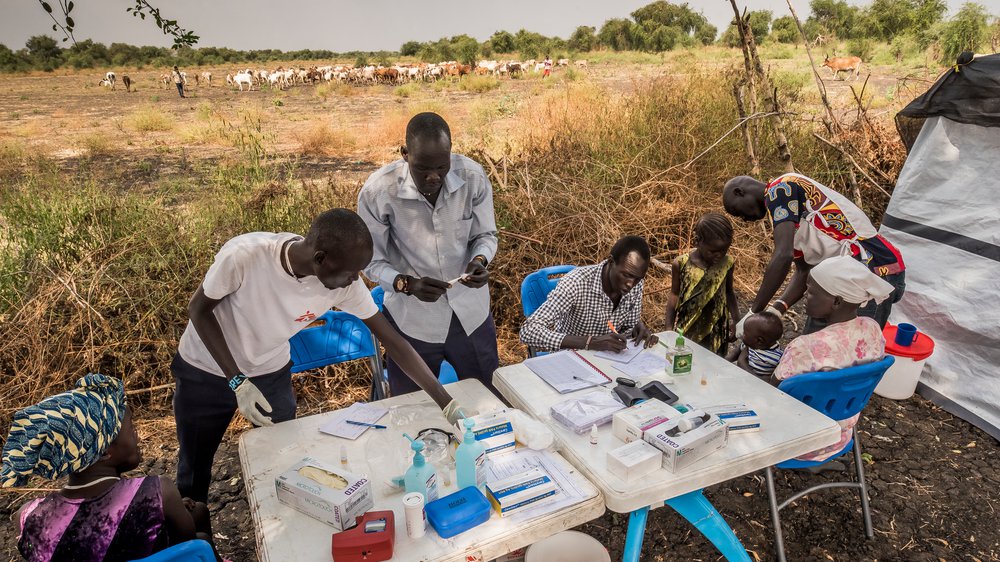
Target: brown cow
[[843, 64]]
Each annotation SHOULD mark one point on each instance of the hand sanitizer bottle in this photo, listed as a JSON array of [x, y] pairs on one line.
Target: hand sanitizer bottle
[[683, 355], [470, 459], [421, 476]]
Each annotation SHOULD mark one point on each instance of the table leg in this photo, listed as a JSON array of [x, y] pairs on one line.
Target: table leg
[[702, 514], [636, 531]]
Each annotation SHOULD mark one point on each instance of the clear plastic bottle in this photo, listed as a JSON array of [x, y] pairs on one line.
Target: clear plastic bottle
[[470, 459], [421, 476]]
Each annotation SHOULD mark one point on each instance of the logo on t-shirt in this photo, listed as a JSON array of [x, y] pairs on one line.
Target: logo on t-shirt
[[307, 317]]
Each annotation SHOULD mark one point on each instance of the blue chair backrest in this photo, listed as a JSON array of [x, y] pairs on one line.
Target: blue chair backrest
[[838, 394], [333, 338], [537, 286], [191, 551]]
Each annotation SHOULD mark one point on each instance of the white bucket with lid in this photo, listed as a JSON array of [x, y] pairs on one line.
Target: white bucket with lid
[[900, 381], [567, 546]]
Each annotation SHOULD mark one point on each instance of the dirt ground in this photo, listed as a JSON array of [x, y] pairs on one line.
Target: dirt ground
[[933, 478]]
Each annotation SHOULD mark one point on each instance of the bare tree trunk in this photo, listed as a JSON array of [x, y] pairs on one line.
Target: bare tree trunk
[[756, 75], [831, 120], [747, 139]]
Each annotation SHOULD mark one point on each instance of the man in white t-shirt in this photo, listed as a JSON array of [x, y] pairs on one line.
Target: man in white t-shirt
[[234, 354]]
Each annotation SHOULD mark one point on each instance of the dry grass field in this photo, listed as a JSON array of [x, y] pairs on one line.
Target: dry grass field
[[112, 205]]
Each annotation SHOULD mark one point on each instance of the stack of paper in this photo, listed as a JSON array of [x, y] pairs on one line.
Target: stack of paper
[[580, 414]]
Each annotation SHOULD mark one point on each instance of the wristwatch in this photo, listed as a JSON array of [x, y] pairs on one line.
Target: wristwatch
[[401, 284]]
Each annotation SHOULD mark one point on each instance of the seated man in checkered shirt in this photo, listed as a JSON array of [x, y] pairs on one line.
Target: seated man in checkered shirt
[[596, 306]]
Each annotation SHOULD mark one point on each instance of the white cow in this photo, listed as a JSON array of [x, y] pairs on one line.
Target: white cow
[[110, 80], [244, 78]]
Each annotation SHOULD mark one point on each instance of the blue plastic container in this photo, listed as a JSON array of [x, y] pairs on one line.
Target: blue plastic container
[[458, 512]]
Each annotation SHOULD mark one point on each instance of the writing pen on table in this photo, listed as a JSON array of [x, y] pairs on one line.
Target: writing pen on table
[[364, 424]]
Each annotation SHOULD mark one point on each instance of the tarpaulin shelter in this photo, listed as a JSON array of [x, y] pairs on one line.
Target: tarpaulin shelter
[[944, 216]]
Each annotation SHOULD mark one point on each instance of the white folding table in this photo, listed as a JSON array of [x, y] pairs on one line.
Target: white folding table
[[789, 428], [284, 533]]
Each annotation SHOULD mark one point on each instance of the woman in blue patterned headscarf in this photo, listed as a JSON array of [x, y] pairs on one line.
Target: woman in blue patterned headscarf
[[87, 434]]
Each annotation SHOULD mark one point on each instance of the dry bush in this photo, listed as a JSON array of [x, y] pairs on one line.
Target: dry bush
[[150, 119], [93, 279], [478, 84], [96, 144], [320, 139]]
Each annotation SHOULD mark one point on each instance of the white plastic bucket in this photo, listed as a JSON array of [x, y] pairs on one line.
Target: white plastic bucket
[[567, 546], [900, 381]]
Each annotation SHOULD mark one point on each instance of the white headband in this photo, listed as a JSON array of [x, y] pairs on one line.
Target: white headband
[[846, 277]]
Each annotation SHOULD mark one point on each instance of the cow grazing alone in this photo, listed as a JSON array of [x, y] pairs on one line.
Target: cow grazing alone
[[127, 82], [843, 64]]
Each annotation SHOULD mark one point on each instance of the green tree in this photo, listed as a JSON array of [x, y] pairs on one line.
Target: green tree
[[409, 49], [783, 30], [615, 34], [706, 34], [834, 17], [760, 24], [968, 30], [466, 49], [928, 13], [529, 43], [502, 42], [885, 19], [44, 52], [583, 39]]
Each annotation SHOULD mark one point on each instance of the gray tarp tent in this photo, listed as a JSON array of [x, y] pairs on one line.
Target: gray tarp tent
[[944, 216]]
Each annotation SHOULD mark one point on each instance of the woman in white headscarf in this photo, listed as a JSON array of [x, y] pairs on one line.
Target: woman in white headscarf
[[836, 288]]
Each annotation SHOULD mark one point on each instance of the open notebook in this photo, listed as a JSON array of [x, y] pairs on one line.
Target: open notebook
[[567, 371]]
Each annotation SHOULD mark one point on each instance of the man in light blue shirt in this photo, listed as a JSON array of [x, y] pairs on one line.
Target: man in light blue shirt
[[431, 217]]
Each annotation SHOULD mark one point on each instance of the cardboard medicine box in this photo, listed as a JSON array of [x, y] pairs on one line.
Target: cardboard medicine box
[[631, 423], [512, 494], [682, 448], [634, 460], [739, 417], [493, 430], [322, 491]]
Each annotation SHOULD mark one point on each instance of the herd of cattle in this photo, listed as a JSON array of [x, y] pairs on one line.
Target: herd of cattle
[[401, 73]]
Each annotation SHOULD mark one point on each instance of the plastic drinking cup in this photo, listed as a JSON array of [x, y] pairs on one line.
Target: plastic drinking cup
[[905, 334]]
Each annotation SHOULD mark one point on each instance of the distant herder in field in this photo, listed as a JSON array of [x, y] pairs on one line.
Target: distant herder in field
[[431, 218], [843, 64], [178, 81]]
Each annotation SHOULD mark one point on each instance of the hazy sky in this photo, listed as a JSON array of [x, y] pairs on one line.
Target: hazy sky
[[367, 25]]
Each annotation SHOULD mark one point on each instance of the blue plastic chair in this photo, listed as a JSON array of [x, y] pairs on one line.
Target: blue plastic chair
[[191, 551], [536, 288], [839, 395], [336, 337]]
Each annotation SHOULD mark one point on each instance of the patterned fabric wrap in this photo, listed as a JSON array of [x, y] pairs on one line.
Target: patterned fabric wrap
[[64, 433], [702, 307]]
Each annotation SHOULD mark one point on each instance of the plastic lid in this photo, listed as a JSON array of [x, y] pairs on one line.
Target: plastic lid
[[921, 348]]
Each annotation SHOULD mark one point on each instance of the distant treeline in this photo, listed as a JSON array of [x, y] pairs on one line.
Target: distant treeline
[[656, 27]]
